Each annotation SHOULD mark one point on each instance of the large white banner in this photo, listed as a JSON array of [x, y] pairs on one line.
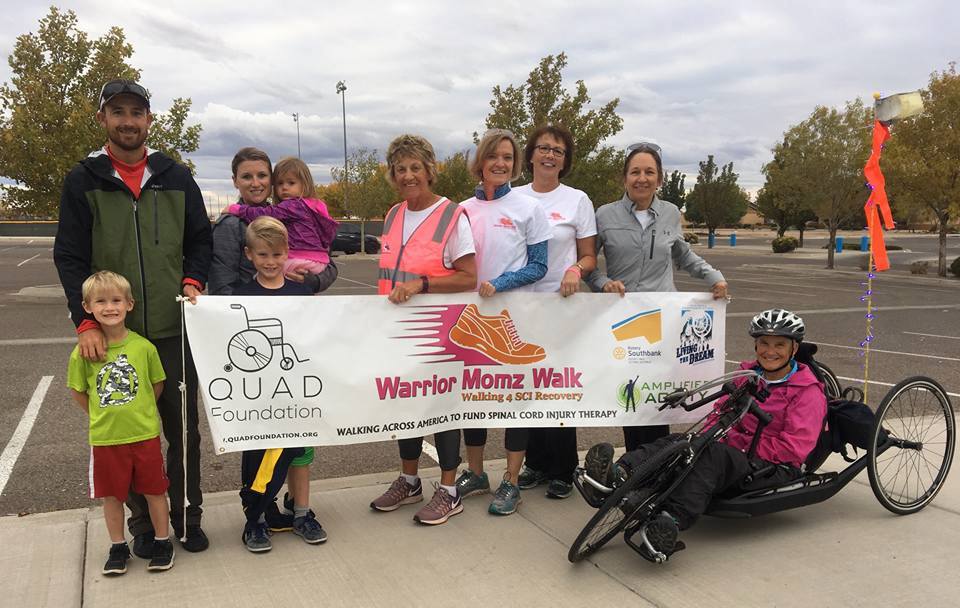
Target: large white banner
[[295, 371]]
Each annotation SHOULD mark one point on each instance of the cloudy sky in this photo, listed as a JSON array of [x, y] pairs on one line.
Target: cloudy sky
[[722, 78]]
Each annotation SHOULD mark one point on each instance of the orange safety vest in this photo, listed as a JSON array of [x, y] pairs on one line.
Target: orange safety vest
[[423, 252]]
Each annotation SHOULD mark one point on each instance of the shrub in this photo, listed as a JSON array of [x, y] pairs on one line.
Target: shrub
[[955, 267], [691, 238], [784, 244]]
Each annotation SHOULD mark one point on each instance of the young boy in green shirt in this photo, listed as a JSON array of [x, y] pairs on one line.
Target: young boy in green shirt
[[119, 395]]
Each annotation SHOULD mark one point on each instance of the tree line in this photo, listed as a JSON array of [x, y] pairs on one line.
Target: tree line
[[815, 174]]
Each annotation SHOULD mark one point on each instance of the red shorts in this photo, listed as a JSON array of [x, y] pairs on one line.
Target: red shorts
[[117, 469]]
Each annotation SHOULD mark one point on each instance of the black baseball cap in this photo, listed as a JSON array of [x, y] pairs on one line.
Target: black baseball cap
[[123, 87]]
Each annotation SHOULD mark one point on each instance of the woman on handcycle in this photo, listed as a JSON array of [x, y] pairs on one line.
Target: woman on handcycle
[[797, 405]]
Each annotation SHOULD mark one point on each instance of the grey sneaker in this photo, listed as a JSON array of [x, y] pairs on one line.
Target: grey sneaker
[[256, 538], [530, 478], [440, 508], [309, 529], [398, 494], [469, 483], [559, 489], [505, 499]]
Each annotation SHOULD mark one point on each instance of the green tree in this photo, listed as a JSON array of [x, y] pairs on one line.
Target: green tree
[[48, 108], [825, 155], [716, 199], [541, 100], [170, 134], [369, 194], [781, 199], [923, 156], [454, 179], [672, 189]]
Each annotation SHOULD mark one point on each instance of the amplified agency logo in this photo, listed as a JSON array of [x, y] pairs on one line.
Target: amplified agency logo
[[696, 336]]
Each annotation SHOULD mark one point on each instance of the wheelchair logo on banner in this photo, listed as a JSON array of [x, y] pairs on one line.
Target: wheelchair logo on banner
[[252, 349], [696, 336]]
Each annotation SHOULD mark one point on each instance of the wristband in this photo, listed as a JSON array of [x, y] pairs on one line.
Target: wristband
[[425, 282], [86, 325], [576, 269]]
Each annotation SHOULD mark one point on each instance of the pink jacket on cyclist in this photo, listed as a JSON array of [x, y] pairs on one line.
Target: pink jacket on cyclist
[[798, 407]]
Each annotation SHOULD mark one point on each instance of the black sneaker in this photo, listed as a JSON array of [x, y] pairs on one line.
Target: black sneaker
[[598, 464], [162, 556], [277, 520], [256, 538], [530, 478], [196, 540], [661, 532], [117, 562], [143, 545], [557, 488]]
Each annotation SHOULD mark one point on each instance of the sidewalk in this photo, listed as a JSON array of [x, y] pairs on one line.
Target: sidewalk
[[847, 551]]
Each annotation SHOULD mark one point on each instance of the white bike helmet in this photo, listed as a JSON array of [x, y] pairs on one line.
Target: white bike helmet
[[777, 322]]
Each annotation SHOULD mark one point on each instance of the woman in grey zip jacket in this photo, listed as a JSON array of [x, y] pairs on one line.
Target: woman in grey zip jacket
[[642, 239]]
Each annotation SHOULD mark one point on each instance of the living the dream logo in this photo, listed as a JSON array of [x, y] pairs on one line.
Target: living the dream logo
[[458, 332], [696, 336], [646, 326]]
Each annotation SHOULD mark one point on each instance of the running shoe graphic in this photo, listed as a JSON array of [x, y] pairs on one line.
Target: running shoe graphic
[[494, 336]]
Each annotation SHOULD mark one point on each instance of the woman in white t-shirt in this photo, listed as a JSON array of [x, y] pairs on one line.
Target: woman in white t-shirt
[[552, 451], [510, 231], [427, 246]]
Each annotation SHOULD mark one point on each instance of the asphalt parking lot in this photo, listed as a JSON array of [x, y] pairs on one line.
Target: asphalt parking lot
[[43, 436]]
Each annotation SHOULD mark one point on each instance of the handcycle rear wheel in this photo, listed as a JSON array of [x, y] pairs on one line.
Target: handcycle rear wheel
[[831, 384], [906, 478], [610, 519]]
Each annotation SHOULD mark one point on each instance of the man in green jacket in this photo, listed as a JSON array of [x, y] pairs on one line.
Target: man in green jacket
[[138, 213]]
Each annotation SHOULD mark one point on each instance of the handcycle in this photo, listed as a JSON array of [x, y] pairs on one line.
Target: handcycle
[[908, 456]]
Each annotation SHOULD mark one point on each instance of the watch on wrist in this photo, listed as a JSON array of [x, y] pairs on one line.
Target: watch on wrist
[[425, 283]]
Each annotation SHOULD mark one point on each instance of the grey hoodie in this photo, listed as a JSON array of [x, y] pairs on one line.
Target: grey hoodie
[[640, 258]]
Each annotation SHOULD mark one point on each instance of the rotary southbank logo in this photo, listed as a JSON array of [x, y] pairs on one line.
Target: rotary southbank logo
[[645, 326]]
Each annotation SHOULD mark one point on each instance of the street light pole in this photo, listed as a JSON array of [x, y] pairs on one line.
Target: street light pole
[[296, 119], [342, 91]]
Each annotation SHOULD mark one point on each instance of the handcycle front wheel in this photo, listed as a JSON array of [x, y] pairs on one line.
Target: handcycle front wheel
[[918, 417], [610, 518]]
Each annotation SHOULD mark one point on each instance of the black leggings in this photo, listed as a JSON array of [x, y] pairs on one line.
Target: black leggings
[[515, 440], [719, 468], [553, 451], [447, 444], [636, 436]]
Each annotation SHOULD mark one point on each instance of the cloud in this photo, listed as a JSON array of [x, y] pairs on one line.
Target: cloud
[[724, 79]]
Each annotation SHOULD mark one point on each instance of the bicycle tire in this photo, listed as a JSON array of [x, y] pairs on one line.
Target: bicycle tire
[[584, 545], [831, 384], [916, 410]]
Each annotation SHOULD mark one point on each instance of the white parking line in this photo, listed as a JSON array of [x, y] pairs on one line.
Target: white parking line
[[890, 352], [28, 259], [357, 282], [914, 333], [858, 309], [19, 438], [430, 451]]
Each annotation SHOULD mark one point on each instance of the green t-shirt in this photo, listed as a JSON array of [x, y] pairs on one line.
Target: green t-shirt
[[120, 391]]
